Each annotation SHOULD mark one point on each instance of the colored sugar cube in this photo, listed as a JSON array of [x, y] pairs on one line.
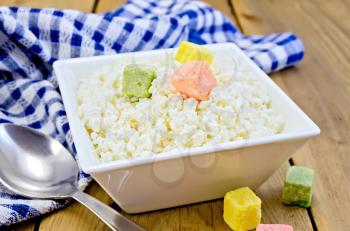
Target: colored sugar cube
[[274, 227], [194, 79], [242, 209], [297, 189], [188, 52], [137, 80]]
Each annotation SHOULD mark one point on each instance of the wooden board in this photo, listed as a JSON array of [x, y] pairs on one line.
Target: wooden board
[[321, 87], [273, 211], [108, 5]]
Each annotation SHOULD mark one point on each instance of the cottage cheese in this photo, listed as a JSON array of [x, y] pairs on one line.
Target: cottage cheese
[[238, 108]]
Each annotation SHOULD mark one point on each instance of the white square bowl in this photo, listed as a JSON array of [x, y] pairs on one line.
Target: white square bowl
[[182, 177]]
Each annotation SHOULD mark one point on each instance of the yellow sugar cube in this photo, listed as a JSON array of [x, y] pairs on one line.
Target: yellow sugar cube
[[188, 52], [242, 209]]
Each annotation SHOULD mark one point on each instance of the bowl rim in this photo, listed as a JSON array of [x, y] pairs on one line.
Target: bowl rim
[[96, 167]]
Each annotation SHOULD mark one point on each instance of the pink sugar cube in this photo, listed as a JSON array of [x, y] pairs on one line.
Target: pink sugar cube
[[274, 227]]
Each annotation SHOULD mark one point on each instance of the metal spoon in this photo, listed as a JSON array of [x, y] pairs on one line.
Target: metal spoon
[[33, 164]]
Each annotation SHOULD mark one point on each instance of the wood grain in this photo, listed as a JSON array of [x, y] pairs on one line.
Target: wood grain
[[273, 211], [321, 87], [85, 5], [108, 5]]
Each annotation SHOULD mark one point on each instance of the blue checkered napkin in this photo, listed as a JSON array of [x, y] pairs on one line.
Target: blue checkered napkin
[[32, 39]]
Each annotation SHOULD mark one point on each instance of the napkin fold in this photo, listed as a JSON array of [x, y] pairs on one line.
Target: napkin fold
[[32, 39]]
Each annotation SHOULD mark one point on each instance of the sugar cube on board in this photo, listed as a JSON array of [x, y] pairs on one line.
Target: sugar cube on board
[[274, 227], [242, 209], [188, 52], [137, 80], [297, 189]]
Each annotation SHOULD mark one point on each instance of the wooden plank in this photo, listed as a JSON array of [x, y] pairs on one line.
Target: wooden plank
[[86, 5], [167, 219], [108, 5], [321, 87], [76, 216], [273, 211]]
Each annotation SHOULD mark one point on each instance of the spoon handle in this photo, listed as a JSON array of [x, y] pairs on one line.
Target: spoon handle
[[111, 217]]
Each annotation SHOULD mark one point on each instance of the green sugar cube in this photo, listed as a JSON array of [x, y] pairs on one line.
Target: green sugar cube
[[297, 189], [137, 80]]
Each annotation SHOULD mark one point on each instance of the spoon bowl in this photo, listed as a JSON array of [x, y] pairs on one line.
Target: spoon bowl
[[35, 165]]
